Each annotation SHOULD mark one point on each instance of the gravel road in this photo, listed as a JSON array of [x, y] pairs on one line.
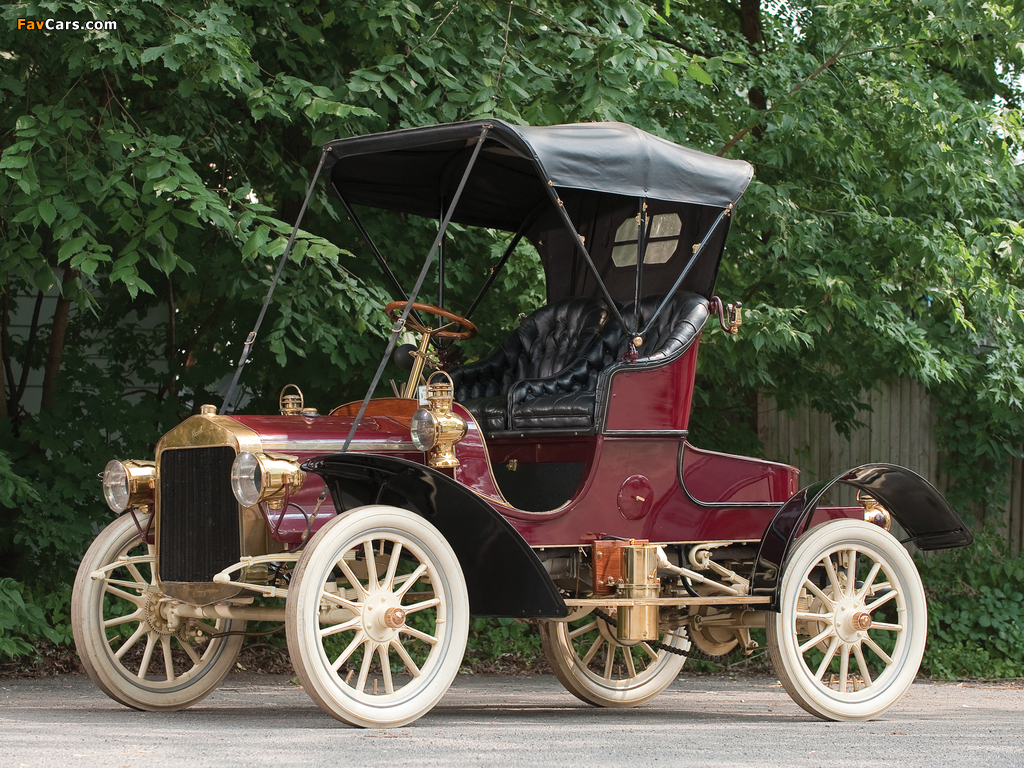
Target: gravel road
[[260, 720]]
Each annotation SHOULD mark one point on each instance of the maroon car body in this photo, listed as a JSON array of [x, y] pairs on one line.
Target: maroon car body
[[552, 480]]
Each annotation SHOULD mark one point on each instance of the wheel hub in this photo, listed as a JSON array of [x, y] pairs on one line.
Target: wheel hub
[[383, 616], [158, 614], [852, 622]]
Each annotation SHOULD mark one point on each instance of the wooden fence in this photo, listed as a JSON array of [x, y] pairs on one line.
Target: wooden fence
[[898, 430]]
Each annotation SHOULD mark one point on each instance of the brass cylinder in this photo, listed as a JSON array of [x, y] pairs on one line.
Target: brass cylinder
[[637, 623]]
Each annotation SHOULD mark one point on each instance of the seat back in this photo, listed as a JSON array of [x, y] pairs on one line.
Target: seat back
[[545, 343], [673, 331]]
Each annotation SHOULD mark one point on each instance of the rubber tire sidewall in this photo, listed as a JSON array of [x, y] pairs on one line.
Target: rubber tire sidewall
[[311, 664], [783, 642], [95, 653], [567, 666]]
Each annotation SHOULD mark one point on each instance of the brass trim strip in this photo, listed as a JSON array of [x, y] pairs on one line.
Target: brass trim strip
[[335, 446]]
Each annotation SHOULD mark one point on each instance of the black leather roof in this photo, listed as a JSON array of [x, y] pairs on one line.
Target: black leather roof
[[417, 170]]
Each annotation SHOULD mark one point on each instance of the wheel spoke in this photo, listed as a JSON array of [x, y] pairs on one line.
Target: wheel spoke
[[137, 599], [358, 640], [118, 620], [650, 651], [343, 627], [829, 655], [406, 658], [574, 633], [413, 578], [356, 584], [420, 606], [371, 564], [815, 590], [844, 667], [630, 667], [861, 664], [833, 577], [134, 571], [609, 661], [419, 635], [190, 651], [147, 655], [851, 571], [364, 668], [887, 627], [131, 641], [593, 650], [344, 602], [868, 581], [829, 630], [892, 593], [385, 666], [165, 641], [878, 651], [389, 577]]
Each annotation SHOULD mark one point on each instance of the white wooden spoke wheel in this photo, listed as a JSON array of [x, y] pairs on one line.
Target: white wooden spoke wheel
[[377, 617], [129, 642], [594, 666], [849, 637]]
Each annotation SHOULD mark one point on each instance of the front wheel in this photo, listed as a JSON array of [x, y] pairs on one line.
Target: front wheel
[[126, 633], [588, 659], [849, 636], [377, 617]]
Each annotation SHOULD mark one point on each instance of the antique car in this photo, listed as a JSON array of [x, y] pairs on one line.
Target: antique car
[[551, 480]]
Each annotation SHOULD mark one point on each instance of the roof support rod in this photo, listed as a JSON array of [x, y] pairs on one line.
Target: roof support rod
[[400, 322], [496, 269], [369, 242], [227, 406], [641, 254], [581, 248], [697, 250]]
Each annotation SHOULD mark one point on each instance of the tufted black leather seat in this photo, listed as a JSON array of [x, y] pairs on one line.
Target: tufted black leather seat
[[673, 331], [543, 376]]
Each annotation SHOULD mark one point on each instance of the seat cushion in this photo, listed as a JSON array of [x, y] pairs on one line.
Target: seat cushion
[[489, 412], [565, 410]]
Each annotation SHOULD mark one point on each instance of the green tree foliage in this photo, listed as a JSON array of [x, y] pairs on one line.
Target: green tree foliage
[[149, 176]]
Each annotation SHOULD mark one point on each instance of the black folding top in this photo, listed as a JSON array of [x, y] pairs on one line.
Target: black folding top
[[417, 169]]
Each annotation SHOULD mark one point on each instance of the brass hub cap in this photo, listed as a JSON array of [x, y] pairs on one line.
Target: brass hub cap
[[862, 620], [394, 618]]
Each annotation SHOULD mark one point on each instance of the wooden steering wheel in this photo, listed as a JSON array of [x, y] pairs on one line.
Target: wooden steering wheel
[[394, 309]]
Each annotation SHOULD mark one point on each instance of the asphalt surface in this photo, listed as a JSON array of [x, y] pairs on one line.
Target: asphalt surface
[[254, 720]]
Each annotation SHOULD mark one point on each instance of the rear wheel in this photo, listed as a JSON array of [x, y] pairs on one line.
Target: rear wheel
[[377, 617], [127, 637], [594, 666], [851, 630]]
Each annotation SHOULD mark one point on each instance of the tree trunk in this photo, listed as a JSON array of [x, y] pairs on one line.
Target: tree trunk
[[750, 26], [57, 336]]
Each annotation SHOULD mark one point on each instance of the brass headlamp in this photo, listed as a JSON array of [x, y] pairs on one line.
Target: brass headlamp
[[874, 512], [436, 429], [129, 484], [258, 478]]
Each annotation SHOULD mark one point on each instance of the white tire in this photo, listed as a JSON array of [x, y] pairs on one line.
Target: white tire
[[119, 618], [849, 636], [594, 666], [377, 617]]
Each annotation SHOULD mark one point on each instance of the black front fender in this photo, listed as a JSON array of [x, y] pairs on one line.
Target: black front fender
[[919, 508], [504, 576]]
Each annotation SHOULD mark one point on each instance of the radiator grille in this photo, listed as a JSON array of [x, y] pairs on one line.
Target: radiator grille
[[198, 514]]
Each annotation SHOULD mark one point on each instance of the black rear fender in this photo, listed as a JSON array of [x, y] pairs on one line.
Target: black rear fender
[[913, 502], [504, 576]]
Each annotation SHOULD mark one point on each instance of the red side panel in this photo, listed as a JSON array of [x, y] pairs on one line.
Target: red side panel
[[654, 400]]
